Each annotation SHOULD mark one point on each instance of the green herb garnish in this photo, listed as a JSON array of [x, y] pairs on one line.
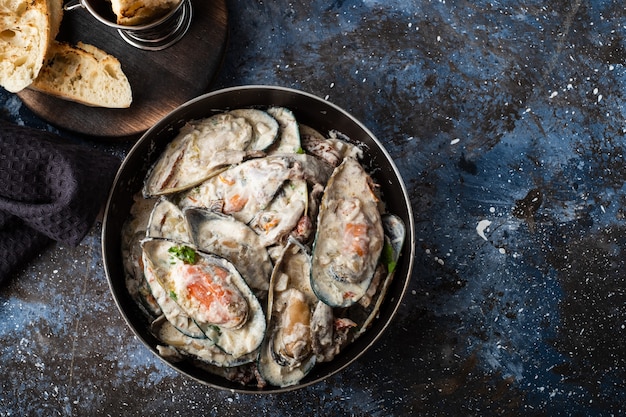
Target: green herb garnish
[[388, 257], [300, 151], [173, 295], [184, 253]]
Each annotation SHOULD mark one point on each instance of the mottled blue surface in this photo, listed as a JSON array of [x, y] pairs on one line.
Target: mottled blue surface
[[507, 121]]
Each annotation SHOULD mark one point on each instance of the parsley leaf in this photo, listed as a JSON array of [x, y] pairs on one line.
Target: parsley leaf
[[184, 253]]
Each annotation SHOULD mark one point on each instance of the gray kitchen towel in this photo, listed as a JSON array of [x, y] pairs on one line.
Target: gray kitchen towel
[[50, 190]]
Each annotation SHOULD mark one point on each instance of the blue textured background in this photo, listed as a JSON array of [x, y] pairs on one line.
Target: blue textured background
[[510, 112]]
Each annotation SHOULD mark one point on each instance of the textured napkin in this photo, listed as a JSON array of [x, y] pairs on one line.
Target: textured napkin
[[50, 190]]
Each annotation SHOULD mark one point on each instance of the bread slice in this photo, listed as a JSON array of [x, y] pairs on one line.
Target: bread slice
[[84, 74], [27, 28], [140, 12]]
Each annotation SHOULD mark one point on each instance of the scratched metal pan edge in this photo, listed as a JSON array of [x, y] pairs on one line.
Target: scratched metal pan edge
[[308, 109]]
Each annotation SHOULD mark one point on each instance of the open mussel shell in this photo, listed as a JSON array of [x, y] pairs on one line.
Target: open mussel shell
[[342, 272], [265, 128], [188, 283], [395, 235], [310, 110], [203, 350], [287, 351]]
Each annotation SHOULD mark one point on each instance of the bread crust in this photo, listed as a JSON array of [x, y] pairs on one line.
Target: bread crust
[[140, 12], [84, 74]]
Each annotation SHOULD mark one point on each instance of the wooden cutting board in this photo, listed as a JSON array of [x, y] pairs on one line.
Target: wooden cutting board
[[160, 80]]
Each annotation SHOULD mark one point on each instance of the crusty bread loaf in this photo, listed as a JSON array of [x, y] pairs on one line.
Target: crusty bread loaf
[[84, 74], [27, 28], [139, 12]]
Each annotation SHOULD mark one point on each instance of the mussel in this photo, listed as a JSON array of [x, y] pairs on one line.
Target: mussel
[[244, 189], [210, 290], [205, 147], [286, 354], [349, 238], [177, 345]]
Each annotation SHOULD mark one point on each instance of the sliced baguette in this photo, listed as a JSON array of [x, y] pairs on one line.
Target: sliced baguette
[[140, 12], [84, 74], [27, 29]]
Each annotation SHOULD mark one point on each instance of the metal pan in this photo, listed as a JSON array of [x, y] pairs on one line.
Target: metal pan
[[308, 109]]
